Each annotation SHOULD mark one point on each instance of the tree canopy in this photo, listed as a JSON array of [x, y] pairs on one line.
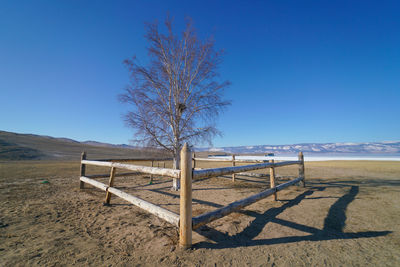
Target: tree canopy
[[177, 96]]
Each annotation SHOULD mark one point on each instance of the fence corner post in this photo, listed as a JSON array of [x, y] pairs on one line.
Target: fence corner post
[[301, 168], [185, 215], [272, 179], [83, 170], [233, 165]]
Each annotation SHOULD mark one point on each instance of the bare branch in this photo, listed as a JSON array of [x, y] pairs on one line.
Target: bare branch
[[177, 96]]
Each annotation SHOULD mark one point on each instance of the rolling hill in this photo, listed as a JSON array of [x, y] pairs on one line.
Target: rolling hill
[[15, 146]]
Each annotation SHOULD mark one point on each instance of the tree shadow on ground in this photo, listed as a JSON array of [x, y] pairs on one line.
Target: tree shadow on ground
[[333, 225]]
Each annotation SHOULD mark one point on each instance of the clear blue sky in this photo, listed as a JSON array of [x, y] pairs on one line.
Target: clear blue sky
[[301, 71]]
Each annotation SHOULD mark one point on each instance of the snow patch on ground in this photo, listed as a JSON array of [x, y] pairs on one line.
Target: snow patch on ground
[[214, 149], [313, 158]]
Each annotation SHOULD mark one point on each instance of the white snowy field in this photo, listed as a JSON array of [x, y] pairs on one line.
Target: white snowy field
[[315, 158]]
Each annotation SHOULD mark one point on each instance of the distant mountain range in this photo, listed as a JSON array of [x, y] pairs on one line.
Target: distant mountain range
[[95, 143], [389, 147], [386, 147], [15, 146]]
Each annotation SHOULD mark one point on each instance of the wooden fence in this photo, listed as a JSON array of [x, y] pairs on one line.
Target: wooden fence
[[184, 220]]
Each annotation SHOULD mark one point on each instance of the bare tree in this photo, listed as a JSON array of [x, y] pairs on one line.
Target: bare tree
[[176, 96]]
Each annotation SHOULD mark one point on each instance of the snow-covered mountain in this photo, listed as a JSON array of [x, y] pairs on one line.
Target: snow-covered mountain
[[389, 147]]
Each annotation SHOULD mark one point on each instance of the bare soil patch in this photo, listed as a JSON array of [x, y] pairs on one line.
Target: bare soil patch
[[348, 214]]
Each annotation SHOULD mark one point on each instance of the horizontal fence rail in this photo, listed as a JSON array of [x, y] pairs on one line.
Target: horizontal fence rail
[[94, 183], [230, 160], [164, 214], [142, 169], [116, 175], [207, 173], [234, 206], [137, 159]]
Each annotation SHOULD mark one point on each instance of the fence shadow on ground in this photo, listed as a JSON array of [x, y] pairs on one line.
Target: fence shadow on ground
[[334, 223]]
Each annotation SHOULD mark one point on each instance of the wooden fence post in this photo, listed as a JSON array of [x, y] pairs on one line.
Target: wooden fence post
[[185, 221], [151, 175], [301, 168], [233, 165], [194, 161], [272, 179], [83, 170], [110, 184]]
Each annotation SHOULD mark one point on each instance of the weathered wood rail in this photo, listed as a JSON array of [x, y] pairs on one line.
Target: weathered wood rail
[[136, 159], [230, 160], [143, 169], [184, 220], [207, 173], [234, 206]]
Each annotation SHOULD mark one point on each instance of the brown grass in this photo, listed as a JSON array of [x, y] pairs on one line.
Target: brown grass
[[347, 215]]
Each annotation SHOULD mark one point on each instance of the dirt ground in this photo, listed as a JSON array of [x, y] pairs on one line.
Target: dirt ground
[[348, 214]]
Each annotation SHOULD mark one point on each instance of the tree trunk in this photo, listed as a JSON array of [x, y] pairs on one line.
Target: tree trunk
[[175, 165], [176, 162]]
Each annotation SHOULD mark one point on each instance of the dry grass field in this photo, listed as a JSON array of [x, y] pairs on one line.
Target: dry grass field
[[348, 214]]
